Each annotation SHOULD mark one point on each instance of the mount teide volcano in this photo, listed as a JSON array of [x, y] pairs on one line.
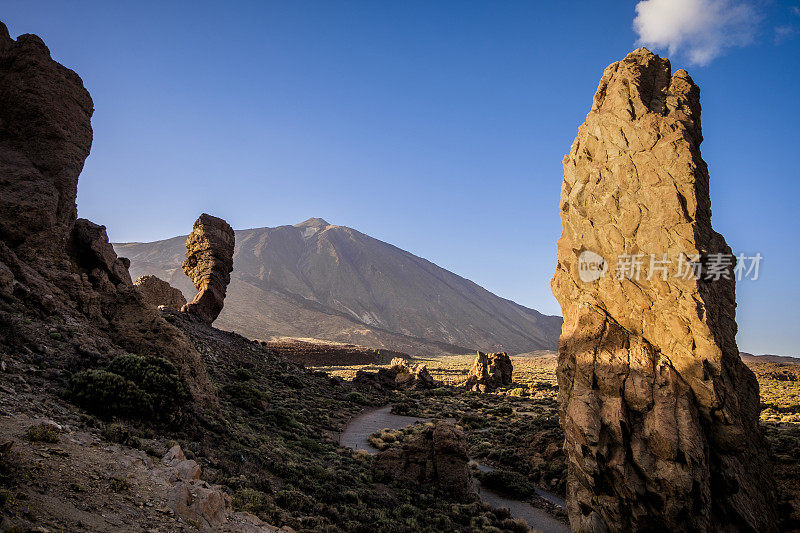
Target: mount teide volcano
[[331, 282]]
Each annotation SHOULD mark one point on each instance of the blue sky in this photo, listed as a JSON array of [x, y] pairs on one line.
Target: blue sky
[[436, 126]]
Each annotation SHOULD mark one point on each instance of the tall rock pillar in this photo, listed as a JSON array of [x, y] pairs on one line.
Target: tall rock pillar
[[209, 262], [660, 414]]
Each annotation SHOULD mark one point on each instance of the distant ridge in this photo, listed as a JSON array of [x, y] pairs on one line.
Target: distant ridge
[[748, 358], [315, 279]]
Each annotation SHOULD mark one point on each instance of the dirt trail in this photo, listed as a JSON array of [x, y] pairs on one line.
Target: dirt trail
[[356, 434]]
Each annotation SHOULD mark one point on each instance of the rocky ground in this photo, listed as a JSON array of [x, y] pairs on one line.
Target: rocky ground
[[268, 448], [516, 430]]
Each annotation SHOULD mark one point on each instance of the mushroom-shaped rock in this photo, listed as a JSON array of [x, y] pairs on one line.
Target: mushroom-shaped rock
[[209, 262]]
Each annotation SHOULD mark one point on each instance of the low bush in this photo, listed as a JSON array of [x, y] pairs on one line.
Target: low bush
[[357, 398], [131, 386], [42, 433], [247, 395], [507, 482], [120, 434], [251, 500]]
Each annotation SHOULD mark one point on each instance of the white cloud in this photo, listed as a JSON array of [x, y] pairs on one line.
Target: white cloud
[[783, 33], [701, 29]]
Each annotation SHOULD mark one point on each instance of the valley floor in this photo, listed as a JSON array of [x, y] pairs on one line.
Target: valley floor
[[516, 430]]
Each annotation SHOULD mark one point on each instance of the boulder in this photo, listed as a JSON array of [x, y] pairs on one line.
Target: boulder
[[209, 262], [435, 456], [660, 415], [158, 293], [400, 375], [490, 371]]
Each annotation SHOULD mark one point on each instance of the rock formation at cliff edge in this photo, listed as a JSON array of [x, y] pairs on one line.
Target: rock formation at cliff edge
[[54, 267]]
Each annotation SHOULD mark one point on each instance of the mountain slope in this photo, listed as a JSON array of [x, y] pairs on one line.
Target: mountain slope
[[332, 282]]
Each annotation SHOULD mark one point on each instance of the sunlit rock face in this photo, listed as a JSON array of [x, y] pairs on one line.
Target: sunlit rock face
[[490, 371], [209, 262], [659, 412]]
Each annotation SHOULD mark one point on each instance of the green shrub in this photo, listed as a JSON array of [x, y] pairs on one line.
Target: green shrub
[[243, 374], [291, 499], [250, 500], [42, 433], [131, 386], [507, 482], [311, 445], [292, 381], [357, 398], [280, 417], [119, 484], [502, 410], [154, 375], [247, 395], [108, 394], [5, 497], [120, 434]]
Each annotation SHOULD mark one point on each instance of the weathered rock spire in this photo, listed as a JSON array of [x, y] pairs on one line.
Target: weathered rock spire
[[659, 412], [209, 262]]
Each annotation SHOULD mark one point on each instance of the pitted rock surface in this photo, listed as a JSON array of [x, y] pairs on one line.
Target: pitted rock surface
[[659, 412], [436, 456], [45, 135], [209, 262], [490, 371]]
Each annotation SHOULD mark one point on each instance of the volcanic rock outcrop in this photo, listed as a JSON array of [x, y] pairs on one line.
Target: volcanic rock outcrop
[[400, 375], [158, 293], [209, 262], [437, 455], [659, 412], [55, 268], [45, 135], [490, 371]]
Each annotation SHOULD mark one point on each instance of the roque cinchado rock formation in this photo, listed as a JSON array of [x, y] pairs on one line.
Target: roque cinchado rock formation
[[490, 371], [157, 292], [209, 262], [660, 414]]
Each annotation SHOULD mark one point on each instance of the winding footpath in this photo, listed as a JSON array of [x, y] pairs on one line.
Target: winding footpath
[[356, 436]]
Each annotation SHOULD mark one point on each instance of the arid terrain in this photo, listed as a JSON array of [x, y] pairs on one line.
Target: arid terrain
[[516, 429], [134, 406]]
